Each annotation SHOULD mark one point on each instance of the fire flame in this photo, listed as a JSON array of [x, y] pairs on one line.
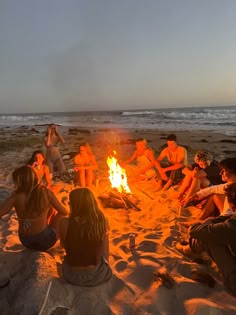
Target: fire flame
[[117, 175]]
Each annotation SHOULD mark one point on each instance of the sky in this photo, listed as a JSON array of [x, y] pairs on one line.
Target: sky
[[72, 55]]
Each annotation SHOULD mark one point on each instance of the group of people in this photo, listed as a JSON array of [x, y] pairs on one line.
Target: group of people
[[82, 227], [43, 220], [167, 168], [206, 180]]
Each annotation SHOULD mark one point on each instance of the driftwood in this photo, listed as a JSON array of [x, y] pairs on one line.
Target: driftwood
[[116, 200]]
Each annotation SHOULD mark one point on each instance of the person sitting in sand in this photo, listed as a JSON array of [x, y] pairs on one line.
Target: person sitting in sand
[[144, 158], [217, 237], [53, 156], [38, 210], [176, 156], [217, 202], [204, 173], [84, 165], [37, 161], [84, 235]]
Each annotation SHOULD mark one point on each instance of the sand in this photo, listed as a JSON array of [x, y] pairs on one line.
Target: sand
[[36, 285]]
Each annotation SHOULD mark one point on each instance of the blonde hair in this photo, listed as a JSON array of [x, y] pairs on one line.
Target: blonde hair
[[87, 148], [92, 224], [26, 181]]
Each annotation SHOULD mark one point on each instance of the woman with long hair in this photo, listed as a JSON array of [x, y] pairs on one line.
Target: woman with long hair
[[84, 165], [84, 235], [37, 161], [38, 209]]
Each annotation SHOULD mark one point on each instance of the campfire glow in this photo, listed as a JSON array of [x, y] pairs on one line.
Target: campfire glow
[[117, 175]]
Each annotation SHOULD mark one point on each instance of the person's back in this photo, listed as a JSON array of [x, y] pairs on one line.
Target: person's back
[[84, 252], [34, 205], [85, 239]]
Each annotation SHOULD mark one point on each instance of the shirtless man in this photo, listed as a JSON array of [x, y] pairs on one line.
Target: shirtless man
[[176, 156], [51, 141]]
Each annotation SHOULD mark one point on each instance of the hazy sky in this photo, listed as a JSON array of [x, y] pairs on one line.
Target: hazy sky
[[65, 55]]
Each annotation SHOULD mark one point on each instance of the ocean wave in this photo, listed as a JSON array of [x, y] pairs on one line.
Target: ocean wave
[[136, 113], [18, 117], [199, 115]]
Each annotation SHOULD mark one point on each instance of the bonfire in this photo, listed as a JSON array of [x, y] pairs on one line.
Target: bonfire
[[120, 195]]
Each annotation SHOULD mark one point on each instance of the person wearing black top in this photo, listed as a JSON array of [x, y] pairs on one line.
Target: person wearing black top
[[203, 173]]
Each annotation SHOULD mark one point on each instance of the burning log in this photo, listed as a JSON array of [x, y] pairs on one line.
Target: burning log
[[118, 200]]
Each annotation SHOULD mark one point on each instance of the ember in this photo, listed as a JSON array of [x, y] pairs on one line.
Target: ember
[[118, 200]]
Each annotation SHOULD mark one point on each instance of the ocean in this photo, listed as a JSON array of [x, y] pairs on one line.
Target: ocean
[[217, 119]]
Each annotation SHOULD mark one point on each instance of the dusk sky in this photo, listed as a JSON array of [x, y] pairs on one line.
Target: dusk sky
[[72, 55]]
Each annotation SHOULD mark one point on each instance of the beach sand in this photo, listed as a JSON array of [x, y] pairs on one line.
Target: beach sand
[[35, 283]]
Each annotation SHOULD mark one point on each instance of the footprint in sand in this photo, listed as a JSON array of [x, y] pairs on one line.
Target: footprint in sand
[[125, 249], [147, 246], [155, 235], [121, 265], [117, 240]]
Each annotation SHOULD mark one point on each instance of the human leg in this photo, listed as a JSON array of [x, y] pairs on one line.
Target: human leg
[[82, 178], [226, 262], [89, 177], [213, 206], [184, 185], [59, 165], [54, 221]]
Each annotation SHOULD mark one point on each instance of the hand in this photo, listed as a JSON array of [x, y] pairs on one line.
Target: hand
[[163, 174]]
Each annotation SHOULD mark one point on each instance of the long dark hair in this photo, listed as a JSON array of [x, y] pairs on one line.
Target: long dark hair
[[92, 223], [26, 181], [33, 157]]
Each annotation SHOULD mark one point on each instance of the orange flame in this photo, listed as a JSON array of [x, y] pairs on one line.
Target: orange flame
[[117, 175]]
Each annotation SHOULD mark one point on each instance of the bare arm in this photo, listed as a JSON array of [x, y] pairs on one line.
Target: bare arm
[[159, 159], [60, 138], [57, 205]]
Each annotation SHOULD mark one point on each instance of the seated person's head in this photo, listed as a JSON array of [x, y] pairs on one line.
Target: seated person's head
[[171, 140], [25, 179], [37, 156], [228, 168], [82, 202], [82, 148], [203, 158], [230, 192], [141, 143]]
